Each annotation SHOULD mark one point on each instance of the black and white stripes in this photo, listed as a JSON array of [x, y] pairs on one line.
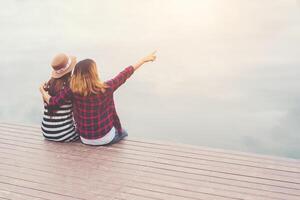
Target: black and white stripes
[[59, 125]]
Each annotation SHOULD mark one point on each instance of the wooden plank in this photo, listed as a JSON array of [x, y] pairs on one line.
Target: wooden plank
[[137, 169], [28, 191], [142, 183], [286, 172], [184, 163], [13, 195], [185, 146], [43, 167], [96, 191], [141, 179], [284, 184], [149, 162], [168, 179], [219, 155], [167, 191], [126, 196], [177, 194]]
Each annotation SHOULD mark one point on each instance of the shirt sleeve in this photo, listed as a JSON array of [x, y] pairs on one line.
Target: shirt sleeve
[[61, 98], [118, 80]]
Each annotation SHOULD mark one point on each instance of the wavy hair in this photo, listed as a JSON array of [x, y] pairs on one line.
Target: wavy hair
[[85, 80], [54, 86]]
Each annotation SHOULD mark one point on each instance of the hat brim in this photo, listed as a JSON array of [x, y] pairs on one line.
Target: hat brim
[[69, 69]]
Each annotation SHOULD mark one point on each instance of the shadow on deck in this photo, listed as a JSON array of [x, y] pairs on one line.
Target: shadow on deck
[[32, 168]]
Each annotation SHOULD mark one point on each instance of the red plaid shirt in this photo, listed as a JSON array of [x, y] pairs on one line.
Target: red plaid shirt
[[96, 114]]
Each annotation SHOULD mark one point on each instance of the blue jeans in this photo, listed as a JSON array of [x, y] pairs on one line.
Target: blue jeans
[[118, 137]]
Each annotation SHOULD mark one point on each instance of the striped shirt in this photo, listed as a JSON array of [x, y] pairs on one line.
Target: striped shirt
[[59, 125]]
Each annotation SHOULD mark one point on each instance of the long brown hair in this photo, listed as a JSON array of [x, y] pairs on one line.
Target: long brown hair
[[85, 80], [54, 85]]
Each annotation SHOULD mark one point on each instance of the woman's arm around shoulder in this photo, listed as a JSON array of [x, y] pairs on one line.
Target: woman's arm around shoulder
[[58, 100]]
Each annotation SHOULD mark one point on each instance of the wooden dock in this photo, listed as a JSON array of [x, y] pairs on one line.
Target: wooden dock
[[34, 169]]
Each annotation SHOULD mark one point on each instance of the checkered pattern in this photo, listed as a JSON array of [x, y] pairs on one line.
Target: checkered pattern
[[96, 114]]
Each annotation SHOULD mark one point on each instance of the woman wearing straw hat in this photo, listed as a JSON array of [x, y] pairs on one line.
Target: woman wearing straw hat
[[97, 121], [58, 124]]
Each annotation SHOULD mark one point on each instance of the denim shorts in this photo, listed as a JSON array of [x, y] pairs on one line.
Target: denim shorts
[[118, 137], [110, 138]]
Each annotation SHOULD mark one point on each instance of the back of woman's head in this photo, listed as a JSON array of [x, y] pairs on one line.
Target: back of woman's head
[[85, 80], [54, 85]]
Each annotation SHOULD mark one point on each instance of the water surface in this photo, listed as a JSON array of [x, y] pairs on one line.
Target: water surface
[[226, 76]]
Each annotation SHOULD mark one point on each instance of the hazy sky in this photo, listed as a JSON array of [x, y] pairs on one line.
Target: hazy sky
[[226, 76]]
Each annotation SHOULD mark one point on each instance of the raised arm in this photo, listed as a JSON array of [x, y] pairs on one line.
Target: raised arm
[[117, 81], [151, 57]]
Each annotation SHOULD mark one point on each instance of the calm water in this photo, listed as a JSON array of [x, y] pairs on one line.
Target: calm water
[[226, 76]]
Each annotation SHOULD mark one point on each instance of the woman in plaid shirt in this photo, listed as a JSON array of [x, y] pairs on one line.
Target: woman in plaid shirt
[[94, 110]]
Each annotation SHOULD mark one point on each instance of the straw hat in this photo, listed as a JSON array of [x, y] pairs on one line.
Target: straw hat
[[62, 64]]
